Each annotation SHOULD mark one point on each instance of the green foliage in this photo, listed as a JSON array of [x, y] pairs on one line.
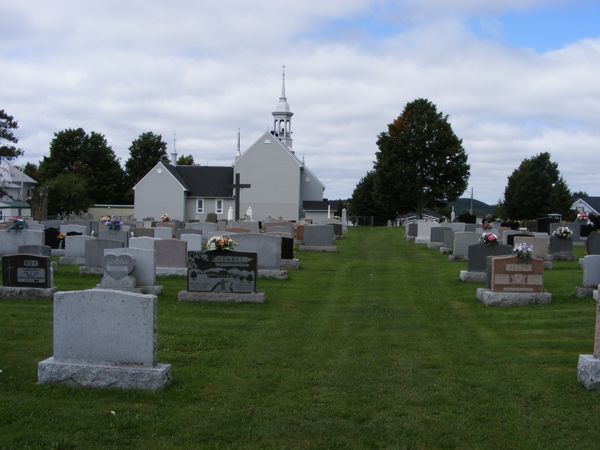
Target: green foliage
[[31, 170], [67, 194], [364, 202], [578, 194], [185, 160], [144, 153], [88, 156], [536, 189], [7, 137], [420, 163]]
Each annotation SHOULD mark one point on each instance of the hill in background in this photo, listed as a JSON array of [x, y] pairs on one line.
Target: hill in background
[[463, 205]]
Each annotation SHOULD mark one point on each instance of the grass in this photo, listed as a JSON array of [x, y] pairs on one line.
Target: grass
[[377, 346]]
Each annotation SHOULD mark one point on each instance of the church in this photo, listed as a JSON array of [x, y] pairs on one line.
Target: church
[[267, 179]]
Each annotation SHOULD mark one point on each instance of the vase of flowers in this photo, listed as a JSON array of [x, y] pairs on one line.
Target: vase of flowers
[[114, 223], [582, 217], [564, 233], [164, 217], [523, 251], [220, 243], [488, 238], [485, 225], [17, 223]]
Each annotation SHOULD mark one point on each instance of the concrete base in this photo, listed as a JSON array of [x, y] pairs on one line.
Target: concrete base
[[318, 248], [153, 290], [221, 297], [421, 241], [104, 376], [71, 260], [171, 271], [272, 274], [489, 298], [472, 277], [434, 245], [584, 292], [26, 293], [87, 270], [588, 371], [446, 250], [287, 264]]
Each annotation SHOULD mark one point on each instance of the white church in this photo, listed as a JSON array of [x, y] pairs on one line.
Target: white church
[[273, 182]]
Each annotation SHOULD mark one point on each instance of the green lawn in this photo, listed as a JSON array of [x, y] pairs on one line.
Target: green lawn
[[377, 346]]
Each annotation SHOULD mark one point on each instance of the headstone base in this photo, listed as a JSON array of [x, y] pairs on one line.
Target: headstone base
[[488, 297], [563, 257], [153, 290], [26, 293], [472, 277], [272, 274], [104, 376], [221, 297], [318, 248], [171, 271], [71, 260], [409, 238], [57, 252], [125, 283], [421, 241], [588, 371], [287, 264], [89, 270], [584, 292], [446, 250], [434, 245]]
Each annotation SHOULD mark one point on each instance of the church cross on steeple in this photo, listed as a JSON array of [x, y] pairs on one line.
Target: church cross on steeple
[[282, 117]]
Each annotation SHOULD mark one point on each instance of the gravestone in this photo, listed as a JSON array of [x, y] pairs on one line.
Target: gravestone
[[448, 244], [146, 243], [510, 236], [287, 247], [211, 217], [591, 276], [477, 261], [436, 237], [143, 271], [471, 227], [456, 226], [114, 235], [11, 240], [592, 244], [300, 232], [246, 225], [194, 242], [222, 276], [161, 232], [105, 339], [117, 270], [424, 231], [411, 232], [143, 232], [171, 257], [94, 254], [41, 250], [204, 227], [268, 253], [181, 231], [26, 277], [515, 282], [51, 237], [74, 250], [561, 249], [575, 228], [462, 241], [319, 238], [588, 367]]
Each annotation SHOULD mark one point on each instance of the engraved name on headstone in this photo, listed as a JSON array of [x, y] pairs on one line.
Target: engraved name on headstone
[[511, 274], [222, 271], [26, 271]]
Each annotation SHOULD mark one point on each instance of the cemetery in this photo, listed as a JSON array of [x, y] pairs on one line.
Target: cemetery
[[378, 340]]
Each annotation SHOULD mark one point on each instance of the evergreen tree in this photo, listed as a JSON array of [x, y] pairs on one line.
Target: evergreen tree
[[185, 160], [144, 152], [364, 202], [7, 137]]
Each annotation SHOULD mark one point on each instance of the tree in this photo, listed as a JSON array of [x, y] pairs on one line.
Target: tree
[[536, 189], [420, 163], [7, 124], [578, 194], [31, 170], [144, 152], [90, 157], [364, 202], [185, 160], [68, 194]]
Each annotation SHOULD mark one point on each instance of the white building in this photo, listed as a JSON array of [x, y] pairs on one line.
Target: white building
[[16, 190]]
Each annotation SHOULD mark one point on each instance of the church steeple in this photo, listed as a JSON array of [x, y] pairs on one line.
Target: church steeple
[[282, 117]]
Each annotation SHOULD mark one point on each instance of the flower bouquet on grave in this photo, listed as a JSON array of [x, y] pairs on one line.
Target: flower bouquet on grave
[[488, 238], [220, 243], [523, 251], [563, 233], [114, 223], [104, 218], [582, 217], [17, 224], [485, 225], [164, 217]]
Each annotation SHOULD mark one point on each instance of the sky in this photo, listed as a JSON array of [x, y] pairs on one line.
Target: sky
[[515, 78]]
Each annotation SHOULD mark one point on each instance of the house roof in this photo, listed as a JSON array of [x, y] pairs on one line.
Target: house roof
[[204, 181], [594, 202]]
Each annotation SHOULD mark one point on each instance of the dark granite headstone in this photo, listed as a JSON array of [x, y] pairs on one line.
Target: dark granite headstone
[[74, 233], [26, 271], [41, 250], [560, 246], [51, 237], [413, 228], [593, 243], [211, 217], [222, 271], [544, 224], [510, 239], [287, 248], [478, 253], [575, 227], [437, 233], [449, 238]]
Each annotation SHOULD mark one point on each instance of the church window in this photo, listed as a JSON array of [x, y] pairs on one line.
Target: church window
[[200, 205], [219, 206]]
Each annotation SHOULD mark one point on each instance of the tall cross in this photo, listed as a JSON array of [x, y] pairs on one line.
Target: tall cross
[[238, 186]]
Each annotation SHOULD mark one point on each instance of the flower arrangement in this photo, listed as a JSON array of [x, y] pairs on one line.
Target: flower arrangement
[[488, 238], [220, 243], [164, 217], [17, 224], [523, 251], [485, 225], [582, 216], [61, 236], [114, 223], [104, 218], [563, 233]]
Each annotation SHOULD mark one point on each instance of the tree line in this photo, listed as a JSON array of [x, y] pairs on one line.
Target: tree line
[[421, 164], [82, 169]]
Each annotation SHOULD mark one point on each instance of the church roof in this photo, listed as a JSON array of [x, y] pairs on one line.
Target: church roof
[[204, 181]]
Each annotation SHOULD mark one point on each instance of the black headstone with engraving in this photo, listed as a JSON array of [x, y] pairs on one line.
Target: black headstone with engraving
[[51, 237], [26, 271], [222, 271], [287, 248], [593, 243]]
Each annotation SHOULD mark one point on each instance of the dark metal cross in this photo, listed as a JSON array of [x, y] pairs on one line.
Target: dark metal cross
[[238, 186]]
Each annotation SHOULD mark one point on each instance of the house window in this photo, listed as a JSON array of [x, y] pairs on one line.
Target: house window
[[219, 206], [200, 205]]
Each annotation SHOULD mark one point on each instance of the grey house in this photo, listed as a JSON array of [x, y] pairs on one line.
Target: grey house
[[280, 183], [16, 190]]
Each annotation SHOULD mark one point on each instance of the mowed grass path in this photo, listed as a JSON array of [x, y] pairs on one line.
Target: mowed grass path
[[377, 346]]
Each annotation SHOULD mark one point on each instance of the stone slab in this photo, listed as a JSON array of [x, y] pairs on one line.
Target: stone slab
[[272, 274], [26, 293], [88, 270], [472, 277], [588, 371], [171, 271], [489, 298], [584, 292], [100, 376], [71, 260], [318, 248], [221, 297], [287, 264]]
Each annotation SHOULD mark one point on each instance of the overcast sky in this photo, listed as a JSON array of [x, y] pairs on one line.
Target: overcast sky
[[515, 77]]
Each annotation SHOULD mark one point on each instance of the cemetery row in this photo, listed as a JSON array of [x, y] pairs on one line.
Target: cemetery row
[[511, 264], [107, 337]]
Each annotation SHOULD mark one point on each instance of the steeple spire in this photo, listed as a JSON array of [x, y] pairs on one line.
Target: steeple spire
[[282, 117]]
